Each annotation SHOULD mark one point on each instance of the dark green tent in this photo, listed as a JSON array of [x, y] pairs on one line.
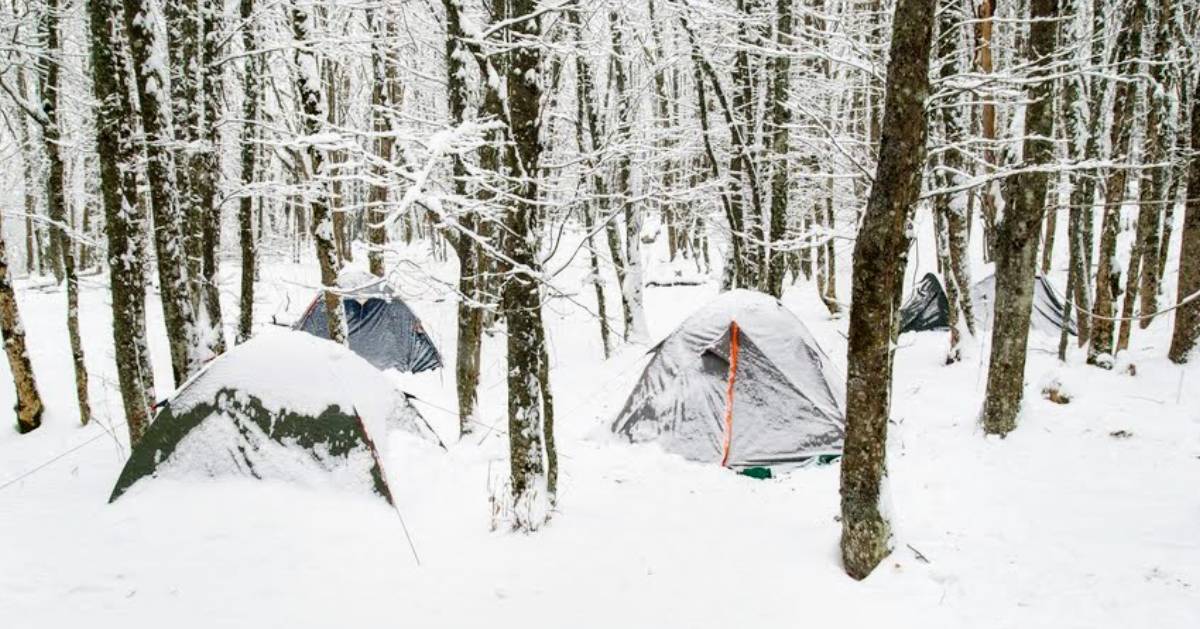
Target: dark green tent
[[284, 406]]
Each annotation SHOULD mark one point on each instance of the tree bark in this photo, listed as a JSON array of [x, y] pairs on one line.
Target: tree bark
[[29, 401], [880, 246], [781, 118], [531, 451], [1107, 276], [56, 202], [250, 136], [308, 84], [1017, 234], [206, 172], [152, 86], [124, 217], [1187, 317]]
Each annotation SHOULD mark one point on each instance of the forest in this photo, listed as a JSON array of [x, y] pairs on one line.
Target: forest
[[726, 311]]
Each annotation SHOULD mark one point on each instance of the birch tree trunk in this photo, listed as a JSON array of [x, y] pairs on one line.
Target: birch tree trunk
[[29, 401], [881, 243], [1017, 234]]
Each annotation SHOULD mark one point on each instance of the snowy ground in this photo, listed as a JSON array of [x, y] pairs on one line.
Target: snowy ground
[[1060, 525]]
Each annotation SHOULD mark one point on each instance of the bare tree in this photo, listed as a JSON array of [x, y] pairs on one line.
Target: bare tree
[[878, 271], [1016, 241]]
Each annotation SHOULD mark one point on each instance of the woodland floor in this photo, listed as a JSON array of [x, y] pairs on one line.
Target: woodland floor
[[1060, 525]]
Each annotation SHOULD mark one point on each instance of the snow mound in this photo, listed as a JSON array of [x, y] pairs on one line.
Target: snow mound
[[298, 372]]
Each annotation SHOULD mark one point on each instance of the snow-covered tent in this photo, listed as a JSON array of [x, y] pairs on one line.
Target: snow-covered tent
[[282, 406], [741, 383], [928, 309], [1048, 308], [383, 329]]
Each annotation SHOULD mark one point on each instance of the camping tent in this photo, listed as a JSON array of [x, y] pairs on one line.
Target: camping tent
[[928, 309], [282, 406], [383, 329], [1048, 309], [741, 383]]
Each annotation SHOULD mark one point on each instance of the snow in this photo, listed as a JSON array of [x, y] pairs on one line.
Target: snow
[[289, 370], [1062, 524]]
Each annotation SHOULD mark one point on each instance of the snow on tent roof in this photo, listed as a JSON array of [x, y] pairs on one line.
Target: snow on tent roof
[[383, 329], [787, 401], [284, 406]]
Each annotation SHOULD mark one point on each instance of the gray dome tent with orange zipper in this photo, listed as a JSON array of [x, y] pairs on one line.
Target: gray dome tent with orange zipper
[[742, 383]]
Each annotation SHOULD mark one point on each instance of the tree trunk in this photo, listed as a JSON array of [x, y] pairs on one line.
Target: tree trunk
[[781, 118], [531, 451], [206, 172], [470, 312], [29, 401], [160, 177], [1187, 316], [56, 203], [1017, 234], [124, 225], [382, 76], [308, 84], [983, 35], [250, 134], [632, 284], [1107, 276], [877, 254]]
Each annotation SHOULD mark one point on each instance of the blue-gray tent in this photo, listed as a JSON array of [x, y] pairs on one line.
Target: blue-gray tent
[[383, 329]]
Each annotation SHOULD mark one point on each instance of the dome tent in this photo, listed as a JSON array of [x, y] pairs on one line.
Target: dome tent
[[282, 406], [741, 383], [927, 308], [383, 329]]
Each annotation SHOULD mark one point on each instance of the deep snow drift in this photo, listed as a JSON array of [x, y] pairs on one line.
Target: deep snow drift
[[1086, 516]]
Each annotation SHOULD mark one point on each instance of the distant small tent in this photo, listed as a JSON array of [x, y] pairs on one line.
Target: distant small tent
[[282, 406], [928, 308], [383, 329], [741, 383]]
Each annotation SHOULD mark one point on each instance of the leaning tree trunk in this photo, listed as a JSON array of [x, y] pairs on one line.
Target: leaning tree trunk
[[1187, 316], [56, 202], [531, 452], [308, 84], [1017, 234], [124, 217], [1107, 277], [249, 140], [160, 175], [880, 246], [29, 401]]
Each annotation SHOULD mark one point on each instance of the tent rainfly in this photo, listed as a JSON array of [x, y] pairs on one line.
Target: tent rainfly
[[282, 406], [741, 383], [383, 329], [928, 309]]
